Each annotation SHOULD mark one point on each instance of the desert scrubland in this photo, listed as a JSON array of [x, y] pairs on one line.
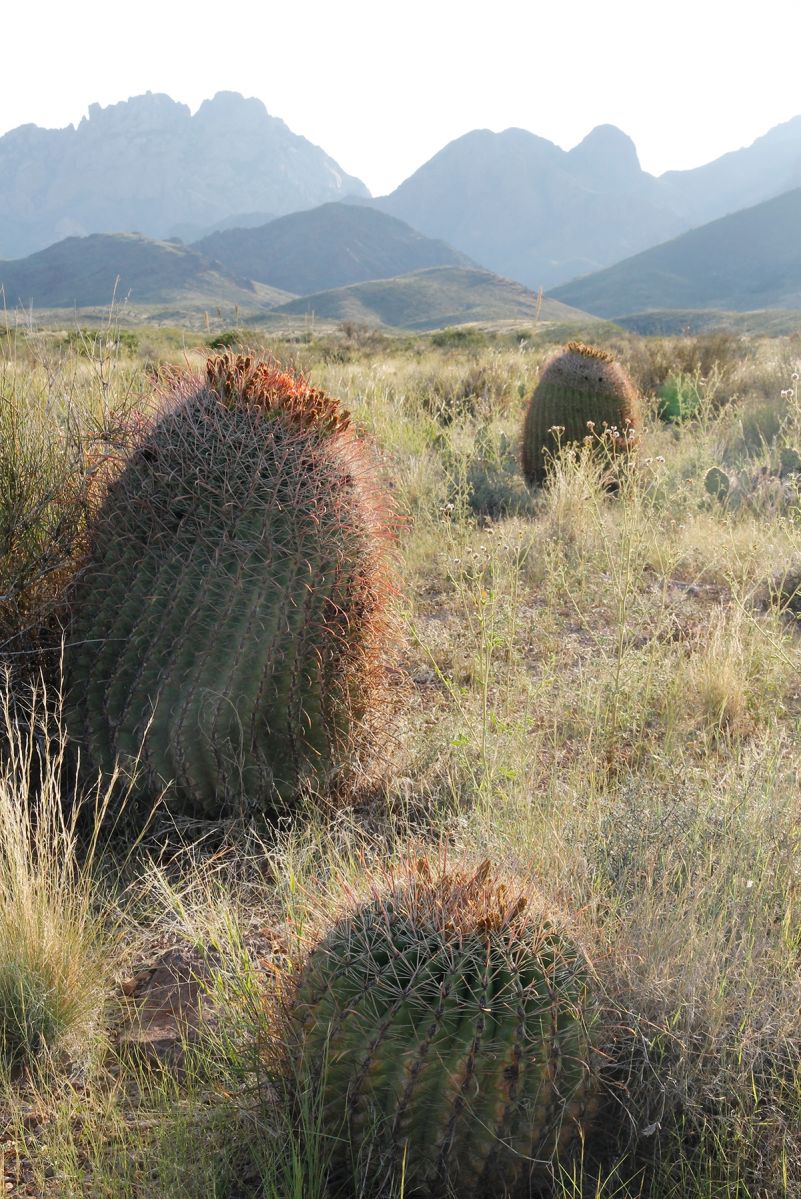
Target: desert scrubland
[[596, 689]]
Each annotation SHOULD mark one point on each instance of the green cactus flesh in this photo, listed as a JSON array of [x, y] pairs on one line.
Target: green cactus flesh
[[790, 461], [226, 629], [582, 393], [717, 483], [447, 1031]]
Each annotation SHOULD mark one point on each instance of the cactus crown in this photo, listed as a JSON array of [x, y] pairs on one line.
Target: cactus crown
[[445, 1023], [238, 381], [459, 903], [580, 347]]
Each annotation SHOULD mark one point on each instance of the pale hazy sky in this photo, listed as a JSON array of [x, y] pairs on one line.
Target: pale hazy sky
[[383, 86]]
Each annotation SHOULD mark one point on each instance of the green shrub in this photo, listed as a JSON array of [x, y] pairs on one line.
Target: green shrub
[[90, 343], [226, 340], [459, 337]]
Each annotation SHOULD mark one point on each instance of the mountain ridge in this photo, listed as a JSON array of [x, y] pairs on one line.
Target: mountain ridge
[[94, 270], [747, 260], [431, 298], [326, 247], [148, 164], [527, 209]]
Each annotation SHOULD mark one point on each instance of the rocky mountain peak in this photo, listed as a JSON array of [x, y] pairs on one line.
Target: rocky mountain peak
[[607, 157], [147, 163], [152, 110]]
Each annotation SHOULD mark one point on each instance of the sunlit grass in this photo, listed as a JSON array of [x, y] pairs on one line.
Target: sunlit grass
[[602, 694]]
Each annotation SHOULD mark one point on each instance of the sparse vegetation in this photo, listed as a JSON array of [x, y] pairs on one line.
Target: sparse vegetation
[[600, 694]]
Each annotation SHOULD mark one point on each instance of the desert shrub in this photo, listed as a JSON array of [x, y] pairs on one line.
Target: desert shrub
[[225, 340], [55, 461], [55, 947], [89, 343], [459, 337], [483, 388], [653, 360], [496, 486]]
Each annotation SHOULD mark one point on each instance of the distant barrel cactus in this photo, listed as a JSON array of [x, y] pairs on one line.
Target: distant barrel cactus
[[583, 392], [230, 619], [446, 1028]]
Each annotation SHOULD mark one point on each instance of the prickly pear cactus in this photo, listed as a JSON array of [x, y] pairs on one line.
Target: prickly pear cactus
[[789, 461], [228, 626], [447, 1030], [583, 392], [717, 483]]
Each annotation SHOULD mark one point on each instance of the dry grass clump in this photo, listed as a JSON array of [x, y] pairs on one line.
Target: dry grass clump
[[653, 360], [55, 946], [64, 424]]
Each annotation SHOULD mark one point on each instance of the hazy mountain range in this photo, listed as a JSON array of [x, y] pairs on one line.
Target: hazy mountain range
[[147, 165], [335, 262], [254, 199], [522, 207], [309, 252], [748, 260], [330, 246]]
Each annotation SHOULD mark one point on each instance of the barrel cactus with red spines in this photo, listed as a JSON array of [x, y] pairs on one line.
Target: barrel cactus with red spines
[[229, 624], [582, 393], [445, 1026]]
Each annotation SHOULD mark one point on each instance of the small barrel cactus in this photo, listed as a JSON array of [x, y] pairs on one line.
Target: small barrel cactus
[[582, 392], [446, 1030], [228, 626]]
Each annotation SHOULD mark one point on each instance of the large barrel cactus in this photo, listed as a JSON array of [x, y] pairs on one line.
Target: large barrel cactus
[[446, 1029], [582, 392], [228, 626]]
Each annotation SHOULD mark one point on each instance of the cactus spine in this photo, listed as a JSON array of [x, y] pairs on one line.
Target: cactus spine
[[446, 1027], [230, 618], [583, 392]]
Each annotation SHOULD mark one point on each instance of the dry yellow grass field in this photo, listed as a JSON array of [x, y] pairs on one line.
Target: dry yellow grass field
[[600, 692]]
